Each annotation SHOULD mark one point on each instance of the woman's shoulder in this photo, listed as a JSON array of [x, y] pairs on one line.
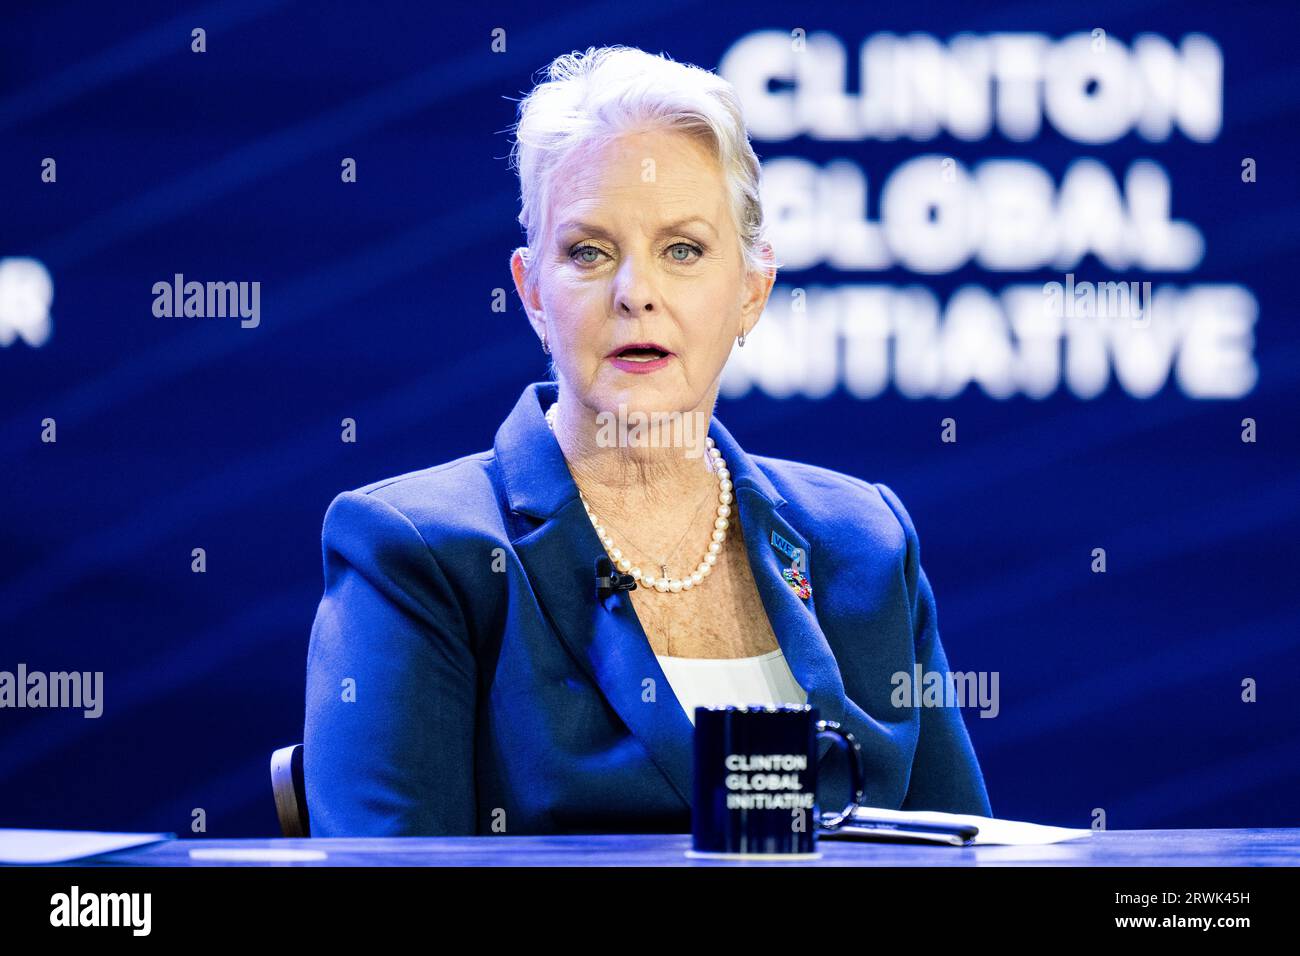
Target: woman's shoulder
[[822, 496], [442, 503]]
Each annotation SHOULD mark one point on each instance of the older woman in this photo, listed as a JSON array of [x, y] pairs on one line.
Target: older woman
[[467, 675]]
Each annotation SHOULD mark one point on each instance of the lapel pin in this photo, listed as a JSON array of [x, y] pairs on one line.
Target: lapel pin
[[798, 581], [785, 547]]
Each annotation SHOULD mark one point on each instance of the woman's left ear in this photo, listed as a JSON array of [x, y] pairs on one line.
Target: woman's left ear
[[760, 283]]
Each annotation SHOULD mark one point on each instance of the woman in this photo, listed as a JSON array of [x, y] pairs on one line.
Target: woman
[[465, 676]]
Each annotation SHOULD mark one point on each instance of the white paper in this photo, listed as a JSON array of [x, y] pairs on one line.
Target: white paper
[[63, 846], [992, 830], [257, 855]]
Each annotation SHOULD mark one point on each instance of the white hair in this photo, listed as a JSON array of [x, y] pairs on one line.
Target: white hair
[[593, 96]]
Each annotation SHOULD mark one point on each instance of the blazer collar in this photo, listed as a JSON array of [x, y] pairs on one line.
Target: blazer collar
[[537, 479], [607, 639]]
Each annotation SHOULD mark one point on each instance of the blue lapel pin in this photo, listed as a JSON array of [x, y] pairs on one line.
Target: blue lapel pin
[[784, 546], [793, 575]]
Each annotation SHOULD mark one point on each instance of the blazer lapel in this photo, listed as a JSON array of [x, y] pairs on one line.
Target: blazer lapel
[[606, 639], [793, 619], [559, 557]]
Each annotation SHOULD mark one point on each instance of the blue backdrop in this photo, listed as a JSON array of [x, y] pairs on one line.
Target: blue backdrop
[[1120, 691]]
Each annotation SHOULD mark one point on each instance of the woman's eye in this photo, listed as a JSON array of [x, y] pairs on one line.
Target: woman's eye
[[683, 247], [578, 253]]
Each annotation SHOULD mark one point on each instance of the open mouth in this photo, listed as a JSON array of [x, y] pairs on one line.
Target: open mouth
[[640, 352]]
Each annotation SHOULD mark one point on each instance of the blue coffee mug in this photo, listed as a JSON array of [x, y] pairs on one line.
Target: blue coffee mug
[[756, 780]]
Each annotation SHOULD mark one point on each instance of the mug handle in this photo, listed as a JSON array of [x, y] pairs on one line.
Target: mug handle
[[857, 769]]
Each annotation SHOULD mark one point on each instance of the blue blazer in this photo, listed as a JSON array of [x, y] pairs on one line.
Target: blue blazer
[[463, 679]]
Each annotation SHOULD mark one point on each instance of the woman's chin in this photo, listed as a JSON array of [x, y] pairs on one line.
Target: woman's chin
[[659, 392]]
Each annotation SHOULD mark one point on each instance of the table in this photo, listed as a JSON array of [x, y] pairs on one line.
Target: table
[[1234, 847]]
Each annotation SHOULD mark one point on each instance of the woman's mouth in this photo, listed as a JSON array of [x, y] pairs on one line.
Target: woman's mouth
[[639, 357]]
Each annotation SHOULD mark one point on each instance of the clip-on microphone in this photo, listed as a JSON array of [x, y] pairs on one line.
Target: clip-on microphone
[[609, 579]]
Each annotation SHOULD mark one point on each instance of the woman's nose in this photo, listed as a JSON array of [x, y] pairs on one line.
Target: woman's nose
[[634, 293]]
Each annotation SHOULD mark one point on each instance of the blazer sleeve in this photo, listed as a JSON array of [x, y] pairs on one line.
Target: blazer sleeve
[[946, 774], [388, 741]]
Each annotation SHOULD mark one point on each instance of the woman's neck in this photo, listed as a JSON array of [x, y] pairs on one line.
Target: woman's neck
[[653, 493]]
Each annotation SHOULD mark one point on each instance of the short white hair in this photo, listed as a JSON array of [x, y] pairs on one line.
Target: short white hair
[[593, 96]]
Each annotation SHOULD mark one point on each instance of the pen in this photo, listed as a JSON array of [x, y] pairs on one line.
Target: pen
[[964, 833]]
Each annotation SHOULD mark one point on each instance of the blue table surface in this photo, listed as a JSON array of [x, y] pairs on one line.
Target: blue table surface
[[1237, 847]]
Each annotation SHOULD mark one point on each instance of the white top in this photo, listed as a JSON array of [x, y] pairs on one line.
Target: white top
[[743, 681]]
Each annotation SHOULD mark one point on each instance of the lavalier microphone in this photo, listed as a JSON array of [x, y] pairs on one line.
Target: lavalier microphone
[[609, 579]]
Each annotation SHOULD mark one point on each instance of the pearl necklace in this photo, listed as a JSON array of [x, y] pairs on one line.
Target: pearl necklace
[[721, 523]]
